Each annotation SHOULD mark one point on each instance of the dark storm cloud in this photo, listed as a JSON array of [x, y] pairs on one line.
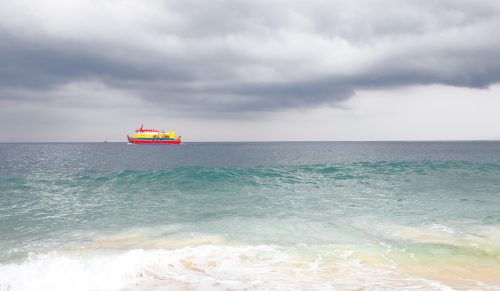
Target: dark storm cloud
[[237, 56], [32, 64]]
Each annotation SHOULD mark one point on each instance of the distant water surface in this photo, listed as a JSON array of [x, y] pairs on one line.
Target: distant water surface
[[257, 216]]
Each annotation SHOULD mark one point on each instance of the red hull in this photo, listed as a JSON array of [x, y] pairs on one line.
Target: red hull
[[138, 141]]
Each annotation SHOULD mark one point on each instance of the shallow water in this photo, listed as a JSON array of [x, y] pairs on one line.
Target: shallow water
[[261, 216]]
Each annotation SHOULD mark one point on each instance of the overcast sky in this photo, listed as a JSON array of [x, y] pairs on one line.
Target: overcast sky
[[84, 70]]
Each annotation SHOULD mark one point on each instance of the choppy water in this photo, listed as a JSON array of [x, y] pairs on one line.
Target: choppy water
[[257, 216]]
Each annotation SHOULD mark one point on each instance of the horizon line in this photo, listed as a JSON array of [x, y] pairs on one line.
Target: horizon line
[[263, 141]]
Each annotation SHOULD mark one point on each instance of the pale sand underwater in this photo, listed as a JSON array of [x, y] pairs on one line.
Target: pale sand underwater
[[432, 259]]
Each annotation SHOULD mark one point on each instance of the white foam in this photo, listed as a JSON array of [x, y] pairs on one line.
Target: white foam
[[204, 267], [55, 271]]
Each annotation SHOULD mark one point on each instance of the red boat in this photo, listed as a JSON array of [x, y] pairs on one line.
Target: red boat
[[153, 136]]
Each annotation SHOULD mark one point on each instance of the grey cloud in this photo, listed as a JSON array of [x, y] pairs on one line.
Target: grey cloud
[[245, 56], [32, 64]]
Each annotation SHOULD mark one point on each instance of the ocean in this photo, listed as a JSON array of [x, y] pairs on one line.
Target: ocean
[[250, 216]]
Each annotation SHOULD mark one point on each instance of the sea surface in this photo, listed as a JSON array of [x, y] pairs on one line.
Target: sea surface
[[250, 216]]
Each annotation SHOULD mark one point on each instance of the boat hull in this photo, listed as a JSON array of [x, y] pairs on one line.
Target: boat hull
[[154, 141]]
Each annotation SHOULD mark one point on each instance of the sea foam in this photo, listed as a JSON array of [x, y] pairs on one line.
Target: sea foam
[[204, 267]]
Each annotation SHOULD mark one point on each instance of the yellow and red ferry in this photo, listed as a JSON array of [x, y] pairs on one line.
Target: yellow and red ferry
[[153, 136]]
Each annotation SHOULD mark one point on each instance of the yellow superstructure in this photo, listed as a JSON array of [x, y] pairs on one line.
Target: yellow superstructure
[[160, 134]]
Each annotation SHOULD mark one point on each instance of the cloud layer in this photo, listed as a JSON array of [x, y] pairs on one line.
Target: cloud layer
[[228, 58]]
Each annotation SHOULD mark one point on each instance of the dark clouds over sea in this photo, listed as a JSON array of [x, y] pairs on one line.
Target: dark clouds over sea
[[227, 57]]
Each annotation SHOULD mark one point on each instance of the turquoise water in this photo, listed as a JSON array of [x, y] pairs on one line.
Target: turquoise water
[[260, 216]]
